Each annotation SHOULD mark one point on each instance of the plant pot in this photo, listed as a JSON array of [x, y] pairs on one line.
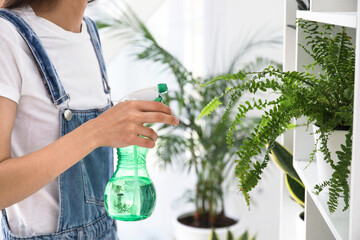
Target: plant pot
[[184, 232], [300, 226], [334, 144]]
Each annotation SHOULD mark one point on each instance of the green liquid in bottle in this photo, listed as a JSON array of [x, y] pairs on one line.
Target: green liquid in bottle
[[130, 194], [130, 199]]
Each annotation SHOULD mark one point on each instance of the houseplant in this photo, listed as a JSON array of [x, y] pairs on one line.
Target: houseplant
[[325, 99], [197, 145]]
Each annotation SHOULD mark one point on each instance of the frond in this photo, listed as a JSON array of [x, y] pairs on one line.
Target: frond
[[212, 106]]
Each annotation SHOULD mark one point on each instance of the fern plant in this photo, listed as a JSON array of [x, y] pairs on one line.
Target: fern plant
[[325, 99], [198, 146]]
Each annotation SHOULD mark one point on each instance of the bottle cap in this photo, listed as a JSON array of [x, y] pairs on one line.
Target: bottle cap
[[162, 87]]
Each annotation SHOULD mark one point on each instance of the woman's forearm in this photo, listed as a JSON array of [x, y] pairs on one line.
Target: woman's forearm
[[21, 177]]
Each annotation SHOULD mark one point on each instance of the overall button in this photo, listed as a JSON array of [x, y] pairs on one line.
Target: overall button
[[68, 115]]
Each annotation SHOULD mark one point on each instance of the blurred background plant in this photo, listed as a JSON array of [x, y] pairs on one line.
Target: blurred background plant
[[198, 146], [303, 4], [230, 236]]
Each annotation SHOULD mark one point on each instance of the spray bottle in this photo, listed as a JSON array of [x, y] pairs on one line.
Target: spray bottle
[[130, 194]]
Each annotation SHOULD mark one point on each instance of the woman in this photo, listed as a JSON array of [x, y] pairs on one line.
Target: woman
[[52, 76]]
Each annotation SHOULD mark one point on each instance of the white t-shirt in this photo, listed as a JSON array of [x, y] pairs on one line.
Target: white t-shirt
[[37, 120]]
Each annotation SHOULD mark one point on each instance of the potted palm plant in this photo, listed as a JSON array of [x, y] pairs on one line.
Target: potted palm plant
[[198, 146], [325, 99]]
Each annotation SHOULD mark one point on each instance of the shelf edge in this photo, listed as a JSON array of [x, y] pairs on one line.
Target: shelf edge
[[345, 19]]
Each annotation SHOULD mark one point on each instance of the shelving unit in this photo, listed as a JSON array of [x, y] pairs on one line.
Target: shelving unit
[[320, 223], [337, 222], [346, 19]]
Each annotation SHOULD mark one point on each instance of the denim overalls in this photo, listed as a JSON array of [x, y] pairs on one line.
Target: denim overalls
[[81, 188]]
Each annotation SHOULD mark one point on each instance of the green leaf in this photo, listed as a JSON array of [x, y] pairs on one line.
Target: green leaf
[[244, 236], [296, 190], [284, 160], [101, 25], [212, 106], [229, 235], [213, 235]]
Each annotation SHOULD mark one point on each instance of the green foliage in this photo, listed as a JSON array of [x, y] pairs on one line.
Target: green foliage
[[213, 235], [212, 106], [325, 99], [246, 236], [284, 160], [230, 236], [296, 190], [338, 184], [197, 145]]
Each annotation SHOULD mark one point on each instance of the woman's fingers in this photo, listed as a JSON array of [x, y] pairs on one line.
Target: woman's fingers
[[157, 117], [148, 132], [150, 106], [144, 142]]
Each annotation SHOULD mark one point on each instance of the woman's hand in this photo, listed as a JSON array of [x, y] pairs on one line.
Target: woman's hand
[[121, 125]]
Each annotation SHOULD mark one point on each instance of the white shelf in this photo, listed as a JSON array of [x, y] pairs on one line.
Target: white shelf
[[346, 19], [320, 224], [337, 222]]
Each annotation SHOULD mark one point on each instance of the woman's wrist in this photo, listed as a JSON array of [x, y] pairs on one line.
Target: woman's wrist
[[92, 134]]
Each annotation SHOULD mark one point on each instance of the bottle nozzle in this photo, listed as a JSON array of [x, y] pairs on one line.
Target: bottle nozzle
[[162, 87]]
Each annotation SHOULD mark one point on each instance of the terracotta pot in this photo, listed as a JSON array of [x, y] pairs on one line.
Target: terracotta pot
[[184, 232]]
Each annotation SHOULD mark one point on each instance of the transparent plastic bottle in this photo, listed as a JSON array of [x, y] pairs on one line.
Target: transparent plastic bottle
[[130, 194]]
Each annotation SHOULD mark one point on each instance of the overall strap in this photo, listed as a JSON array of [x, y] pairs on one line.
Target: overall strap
[[95, 39], [46, 69]]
